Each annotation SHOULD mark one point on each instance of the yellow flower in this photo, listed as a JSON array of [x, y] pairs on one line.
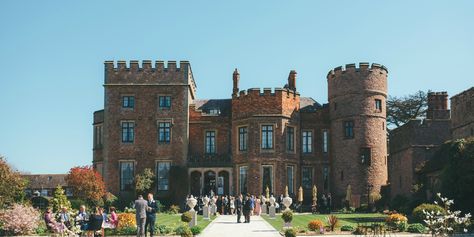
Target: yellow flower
[[126, 220]]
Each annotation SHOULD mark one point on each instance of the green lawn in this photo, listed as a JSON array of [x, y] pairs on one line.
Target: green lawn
[[175, 220], [301, 220]]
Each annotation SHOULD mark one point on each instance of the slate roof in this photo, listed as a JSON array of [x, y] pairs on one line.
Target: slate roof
[[43, 181], [224, 105], [307, 104]]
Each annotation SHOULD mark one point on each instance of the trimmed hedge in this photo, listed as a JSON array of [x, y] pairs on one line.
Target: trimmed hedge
[[419, 216], [416, 228]]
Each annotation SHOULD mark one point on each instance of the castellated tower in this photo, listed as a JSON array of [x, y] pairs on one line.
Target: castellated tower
[[357, 103]]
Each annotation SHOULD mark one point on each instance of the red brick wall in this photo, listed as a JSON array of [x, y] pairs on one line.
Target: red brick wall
[[351, 94]]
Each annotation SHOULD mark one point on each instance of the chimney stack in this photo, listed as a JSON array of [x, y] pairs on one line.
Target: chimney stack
[[292, 80], [235, 79]]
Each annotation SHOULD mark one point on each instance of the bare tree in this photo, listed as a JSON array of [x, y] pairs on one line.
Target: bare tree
[[400, 110]]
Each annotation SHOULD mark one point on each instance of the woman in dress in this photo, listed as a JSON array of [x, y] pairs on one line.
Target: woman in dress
[[53, 225], [232, 205], [112, 221], [257, 210]]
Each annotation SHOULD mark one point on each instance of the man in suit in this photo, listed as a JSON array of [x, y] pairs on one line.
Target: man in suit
[[140, 209], [238, 207], [247, 207], [151, 215]]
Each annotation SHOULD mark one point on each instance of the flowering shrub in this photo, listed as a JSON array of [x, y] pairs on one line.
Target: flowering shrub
[[315, 225], [451, 222], [20, 219], [126, 220], [398, 221]]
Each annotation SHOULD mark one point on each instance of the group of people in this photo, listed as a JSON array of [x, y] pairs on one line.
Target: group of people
[[88, 223], [230, 205], [145, 213]]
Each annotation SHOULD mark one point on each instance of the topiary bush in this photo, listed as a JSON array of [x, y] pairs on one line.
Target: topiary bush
[[419, 216], [287, 216], [186, 217], [416, 228], [290, 232], [196, 230], [315, 225], [347, 228]]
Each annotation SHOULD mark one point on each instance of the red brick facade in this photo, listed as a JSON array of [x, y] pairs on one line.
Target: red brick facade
[[268, 138]]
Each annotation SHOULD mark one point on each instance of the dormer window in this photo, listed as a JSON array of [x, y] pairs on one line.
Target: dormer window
[[215, 111]]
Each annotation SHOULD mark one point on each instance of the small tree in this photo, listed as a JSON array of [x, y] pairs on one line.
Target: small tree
[[87, 184], [451, 222], [12, 184], [144, 181], [59, 200]]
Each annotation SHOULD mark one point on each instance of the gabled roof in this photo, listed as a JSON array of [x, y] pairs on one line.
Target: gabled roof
[[40, 181]]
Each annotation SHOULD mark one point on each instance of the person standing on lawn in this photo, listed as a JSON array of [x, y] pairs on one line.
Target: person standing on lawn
[[238, 207], [151, 215], [140, 209]]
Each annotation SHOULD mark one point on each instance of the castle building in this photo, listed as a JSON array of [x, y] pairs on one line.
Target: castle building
[[257, 139], [415, 143]]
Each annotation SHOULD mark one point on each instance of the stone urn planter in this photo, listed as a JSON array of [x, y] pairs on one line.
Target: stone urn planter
[[191, 202], [287, 201], [205, 200], [272, 201]]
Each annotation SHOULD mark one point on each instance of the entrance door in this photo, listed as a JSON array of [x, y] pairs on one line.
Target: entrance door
[[196, 183], [223, 183], [267, 180], [209, 183]]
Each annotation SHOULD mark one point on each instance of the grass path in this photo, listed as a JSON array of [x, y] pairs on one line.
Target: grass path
[[301, 220]]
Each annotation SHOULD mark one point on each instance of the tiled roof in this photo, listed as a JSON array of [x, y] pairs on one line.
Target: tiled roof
[[40, 181]]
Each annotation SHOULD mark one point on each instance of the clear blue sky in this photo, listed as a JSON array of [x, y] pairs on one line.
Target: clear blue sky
[[52, 53]]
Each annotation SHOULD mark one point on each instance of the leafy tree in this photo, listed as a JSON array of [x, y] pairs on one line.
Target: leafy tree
[[144, 181], [400, 110], [12, 184], [59, 200], [86, 183], [457, 177]]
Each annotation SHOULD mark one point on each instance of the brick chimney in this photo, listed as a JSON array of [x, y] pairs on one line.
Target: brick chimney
[[438, 106], [292, 80], [235, 79]]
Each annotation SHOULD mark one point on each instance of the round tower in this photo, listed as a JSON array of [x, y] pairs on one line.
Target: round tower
[[357, 103]]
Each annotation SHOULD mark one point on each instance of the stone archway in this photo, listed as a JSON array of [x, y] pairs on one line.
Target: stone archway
[[195, 183]]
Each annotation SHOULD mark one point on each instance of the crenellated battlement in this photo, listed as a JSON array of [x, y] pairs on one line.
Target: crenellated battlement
[[467, 95], [262, 92], [133, 73], [146, 65], [352, 68]]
